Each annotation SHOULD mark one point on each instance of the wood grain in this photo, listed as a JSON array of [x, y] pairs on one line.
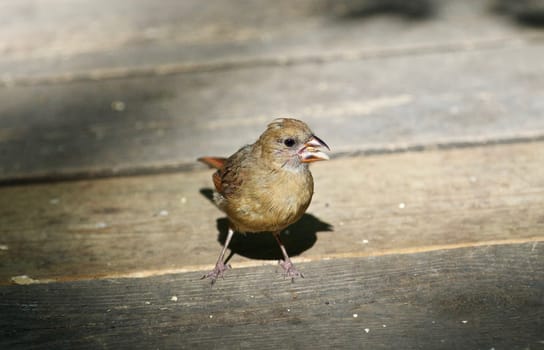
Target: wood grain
[[85, 128], [37, 42], [362, 206], [470, 298]]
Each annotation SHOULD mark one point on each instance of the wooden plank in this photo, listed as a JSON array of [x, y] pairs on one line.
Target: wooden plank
[[39, 39], [470, 298], [362, 206], [86, 128]]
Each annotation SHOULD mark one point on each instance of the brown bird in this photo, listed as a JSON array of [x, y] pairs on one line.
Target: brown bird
[[267, 186]]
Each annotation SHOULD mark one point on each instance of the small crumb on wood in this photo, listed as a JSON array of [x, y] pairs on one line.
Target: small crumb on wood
[[174, 298], [101, 225], [367, 330], [148, 303], [118, 106], [54, 201], [384, 325], [23, 280], [355, 315], [211, 316], [183, 200], [365, 241], [3, 247], [464, 321], [163, 213], [402, 205]]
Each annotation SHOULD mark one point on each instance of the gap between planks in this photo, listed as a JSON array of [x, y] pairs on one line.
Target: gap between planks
[[353, 151]]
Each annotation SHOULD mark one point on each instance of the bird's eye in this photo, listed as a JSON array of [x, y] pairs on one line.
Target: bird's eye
[[289, 142]]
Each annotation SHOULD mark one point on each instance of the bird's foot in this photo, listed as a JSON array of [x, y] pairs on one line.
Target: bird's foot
[[290, 270], [217, 272]]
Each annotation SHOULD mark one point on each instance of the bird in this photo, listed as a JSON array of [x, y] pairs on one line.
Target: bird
[[266, 186]]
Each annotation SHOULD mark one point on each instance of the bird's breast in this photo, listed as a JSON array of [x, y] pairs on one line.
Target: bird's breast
[[271, 202]]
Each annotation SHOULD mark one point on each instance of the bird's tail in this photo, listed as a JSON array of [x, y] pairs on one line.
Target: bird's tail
[[213, 162]]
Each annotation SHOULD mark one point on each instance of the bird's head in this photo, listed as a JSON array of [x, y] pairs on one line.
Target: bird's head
[[290, 143]]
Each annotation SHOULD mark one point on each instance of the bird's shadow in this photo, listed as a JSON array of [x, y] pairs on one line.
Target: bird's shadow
[[297, 238]]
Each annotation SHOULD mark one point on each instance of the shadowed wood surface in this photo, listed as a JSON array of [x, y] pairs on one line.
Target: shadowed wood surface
[[364, 205], [113, 126], [470, 298]]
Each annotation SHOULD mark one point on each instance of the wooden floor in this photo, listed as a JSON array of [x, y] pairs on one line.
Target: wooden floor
[[426, 230]]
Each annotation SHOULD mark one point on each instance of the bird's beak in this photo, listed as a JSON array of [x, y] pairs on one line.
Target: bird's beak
[[312, 150]]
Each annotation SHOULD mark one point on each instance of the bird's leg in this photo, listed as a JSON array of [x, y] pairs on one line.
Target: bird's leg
[[286, 263], [220, 266]]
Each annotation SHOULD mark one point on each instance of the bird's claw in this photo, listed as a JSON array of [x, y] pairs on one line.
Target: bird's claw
[[289, 270], [218, 271]]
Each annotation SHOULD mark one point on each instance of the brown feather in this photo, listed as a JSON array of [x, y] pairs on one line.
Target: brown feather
[[213, 162], [216, 177]]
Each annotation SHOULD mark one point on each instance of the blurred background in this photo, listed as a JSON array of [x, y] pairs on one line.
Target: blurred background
[[99, 87]]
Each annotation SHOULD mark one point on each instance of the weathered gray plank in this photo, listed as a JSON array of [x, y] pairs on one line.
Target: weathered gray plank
[[61, 37], [472, 298], [386, 203], [119, 125]]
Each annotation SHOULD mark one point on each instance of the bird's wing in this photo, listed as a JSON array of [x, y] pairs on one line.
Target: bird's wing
[[230, 176], [216, 177]]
